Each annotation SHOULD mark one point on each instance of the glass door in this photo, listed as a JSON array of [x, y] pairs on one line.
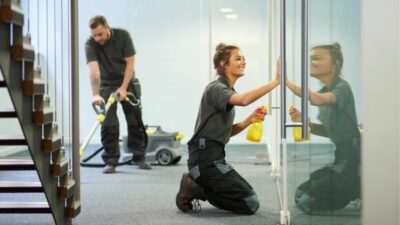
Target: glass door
[[320, 49]]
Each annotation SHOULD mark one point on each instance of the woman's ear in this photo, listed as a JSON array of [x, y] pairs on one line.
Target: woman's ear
[[337, 63], [223, 64], [336, 66]]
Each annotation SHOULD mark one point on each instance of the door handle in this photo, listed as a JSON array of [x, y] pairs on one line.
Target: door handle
[[304, 70]]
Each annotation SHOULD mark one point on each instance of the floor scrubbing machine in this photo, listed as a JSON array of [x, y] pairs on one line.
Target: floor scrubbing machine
[[163, 148]]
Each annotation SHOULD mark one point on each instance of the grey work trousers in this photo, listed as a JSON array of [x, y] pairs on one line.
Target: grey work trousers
[[110, 130], [223, 186]]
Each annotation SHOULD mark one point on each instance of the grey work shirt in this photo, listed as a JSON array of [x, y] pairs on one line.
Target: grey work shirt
[[339, 119], [111, 56], [216, 115]]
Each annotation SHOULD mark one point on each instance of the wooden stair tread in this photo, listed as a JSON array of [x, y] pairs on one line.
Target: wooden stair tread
[[23, 52], [73, 209], [60, 167], [20, 186], [44, 116], [11, 13], [51, 145], [12, 140], [67, 190], [34, 87], [24, 207], [8, 113], [16, 164]]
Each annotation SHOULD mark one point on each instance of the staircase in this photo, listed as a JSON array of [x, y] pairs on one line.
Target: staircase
[[40, 133]]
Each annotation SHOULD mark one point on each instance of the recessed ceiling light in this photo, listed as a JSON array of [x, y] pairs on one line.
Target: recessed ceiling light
[[226, 10], [231, 16]]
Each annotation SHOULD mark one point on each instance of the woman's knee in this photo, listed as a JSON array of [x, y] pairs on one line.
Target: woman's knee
[[252, 203]]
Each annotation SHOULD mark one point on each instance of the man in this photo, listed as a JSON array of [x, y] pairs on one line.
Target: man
[[110, 55]]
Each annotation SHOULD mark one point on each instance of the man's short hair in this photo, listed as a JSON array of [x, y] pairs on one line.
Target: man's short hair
[[96, 21]]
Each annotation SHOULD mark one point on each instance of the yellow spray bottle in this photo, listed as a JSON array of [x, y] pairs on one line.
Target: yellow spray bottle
[[255, 131], [296, 131], [297, 134]]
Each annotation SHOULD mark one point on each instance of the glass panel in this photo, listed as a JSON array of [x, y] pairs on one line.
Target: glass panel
[[323, 176], [299, 161]]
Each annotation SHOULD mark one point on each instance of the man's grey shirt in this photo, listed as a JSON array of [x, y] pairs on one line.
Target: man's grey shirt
[[111, 56]]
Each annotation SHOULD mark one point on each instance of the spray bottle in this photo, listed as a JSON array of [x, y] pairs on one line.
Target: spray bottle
[[297, 133], [255, 131]]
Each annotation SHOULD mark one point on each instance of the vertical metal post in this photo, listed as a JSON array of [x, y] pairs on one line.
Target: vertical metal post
[[273, 146], [284, 213], [210, 47], [283, 67], [75, 95], [270, 42], [305, 68], [276, 53]]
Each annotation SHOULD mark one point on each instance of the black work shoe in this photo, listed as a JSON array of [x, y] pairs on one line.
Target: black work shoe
[[143, 165], [187, 190], [109, 169]]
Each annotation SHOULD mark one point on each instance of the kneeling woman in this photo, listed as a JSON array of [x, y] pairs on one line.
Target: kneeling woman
[[210, 177]]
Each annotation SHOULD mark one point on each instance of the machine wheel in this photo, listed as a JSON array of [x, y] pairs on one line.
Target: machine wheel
[[176, 160], [164, 157]]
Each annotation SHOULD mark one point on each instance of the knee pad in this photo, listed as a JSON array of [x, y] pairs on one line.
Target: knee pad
[[304, 202], [297, 195], [252, 203]]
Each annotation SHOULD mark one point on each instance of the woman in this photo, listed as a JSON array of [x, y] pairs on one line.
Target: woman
[[334, 186], [210, 177]]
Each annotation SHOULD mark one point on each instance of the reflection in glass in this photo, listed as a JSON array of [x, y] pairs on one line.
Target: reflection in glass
[[333, 186]]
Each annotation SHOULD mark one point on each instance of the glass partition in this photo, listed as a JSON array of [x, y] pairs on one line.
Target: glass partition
[[323, 172]]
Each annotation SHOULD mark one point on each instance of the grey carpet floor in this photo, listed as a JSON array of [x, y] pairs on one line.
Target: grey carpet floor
[[138, 197]]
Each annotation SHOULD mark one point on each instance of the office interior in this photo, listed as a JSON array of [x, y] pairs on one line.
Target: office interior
[[175, 42]]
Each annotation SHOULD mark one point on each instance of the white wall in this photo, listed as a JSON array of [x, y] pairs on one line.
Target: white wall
[[171, 62], [172, 42], [381, 159]]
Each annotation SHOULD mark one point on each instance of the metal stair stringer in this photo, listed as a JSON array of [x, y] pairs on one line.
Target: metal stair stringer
[[12, 73]]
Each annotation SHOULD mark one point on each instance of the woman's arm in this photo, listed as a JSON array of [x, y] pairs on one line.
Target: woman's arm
[[244, 99], [256, 116], [315, 98], [318, 129], [238, 127]]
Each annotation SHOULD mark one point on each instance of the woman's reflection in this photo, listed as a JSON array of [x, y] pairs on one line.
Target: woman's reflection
[[335, 185]]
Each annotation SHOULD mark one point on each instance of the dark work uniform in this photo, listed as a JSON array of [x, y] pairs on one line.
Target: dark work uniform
[[223, 186], [111, 58], [334, 186]]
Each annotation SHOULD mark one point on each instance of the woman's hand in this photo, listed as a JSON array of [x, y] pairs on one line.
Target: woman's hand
[[295, 114], [259, 114]]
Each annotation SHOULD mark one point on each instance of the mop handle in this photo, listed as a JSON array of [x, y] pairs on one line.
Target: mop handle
[[101, 111]]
